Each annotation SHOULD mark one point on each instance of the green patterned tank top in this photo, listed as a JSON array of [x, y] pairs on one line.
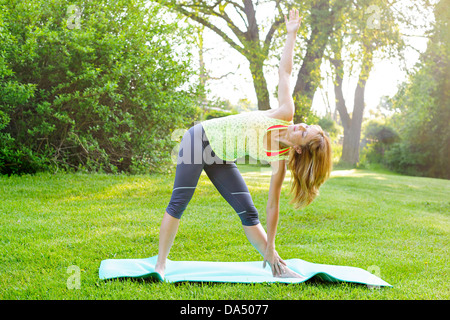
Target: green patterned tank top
[[236, 136]]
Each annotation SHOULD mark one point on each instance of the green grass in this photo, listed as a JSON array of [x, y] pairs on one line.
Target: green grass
[[395, 224]]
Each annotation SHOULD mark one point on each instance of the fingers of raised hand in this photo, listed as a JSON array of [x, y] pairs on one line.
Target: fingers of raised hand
[[293, 14]]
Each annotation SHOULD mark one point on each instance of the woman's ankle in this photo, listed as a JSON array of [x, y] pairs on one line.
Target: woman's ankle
[[160, 265], [160, 268]]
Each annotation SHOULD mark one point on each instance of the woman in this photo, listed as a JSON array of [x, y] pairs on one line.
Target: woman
[[214, 145]]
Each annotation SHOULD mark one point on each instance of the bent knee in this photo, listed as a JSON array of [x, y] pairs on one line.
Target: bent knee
[[249, 217]]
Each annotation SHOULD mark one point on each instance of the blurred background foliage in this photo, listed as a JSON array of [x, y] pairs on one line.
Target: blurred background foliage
[[100, 96], [102, 85]]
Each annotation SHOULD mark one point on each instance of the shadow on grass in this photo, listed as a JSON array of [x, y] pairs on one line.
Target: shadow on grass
[[315, 281]]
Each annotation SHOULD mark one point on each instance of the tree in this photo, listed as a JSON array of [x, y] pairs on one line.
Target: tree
[[321, 20], [248, 40], [352, 125], [423, 112], [366, 28], [256, 46]]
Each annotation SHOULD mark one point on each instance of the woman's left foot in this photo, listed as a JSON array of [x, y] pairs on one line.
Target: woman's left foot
[[288, 273]]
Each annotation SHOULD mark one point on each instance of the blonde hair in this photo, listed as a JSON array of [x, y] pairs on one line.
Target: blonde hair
[[310, 169]]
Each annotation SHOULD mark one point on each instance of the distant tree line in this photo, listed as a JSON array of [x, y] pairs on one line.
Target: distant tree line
[[350, 34], [101, 85], [415, 139]]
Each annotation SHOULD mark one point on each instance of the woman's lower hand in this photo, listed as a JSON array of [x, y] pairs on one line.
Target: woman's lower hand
[[277, 264]]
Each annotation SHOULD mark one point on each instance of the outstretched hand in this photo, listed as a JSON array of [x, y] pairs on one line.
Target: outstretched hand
[[294, 21]]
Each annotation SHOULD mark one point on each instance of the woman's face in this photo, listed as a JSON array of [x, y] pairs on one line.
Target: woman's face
[[300, 134]]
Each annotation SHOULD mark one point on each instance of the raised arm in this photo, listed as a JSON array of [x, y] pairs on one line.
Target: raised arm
[[285, 101]]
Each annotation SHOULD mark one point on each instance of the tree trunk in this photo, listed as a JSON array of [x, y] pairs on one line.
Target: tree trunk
[[352, 138], [308, 78], [352, 126], [249, 44], [255, 55], [350, 147], [260, 85]]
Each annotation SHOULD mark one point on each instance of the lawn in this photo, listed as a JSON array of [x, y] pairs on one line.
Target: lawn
[[394, 225]]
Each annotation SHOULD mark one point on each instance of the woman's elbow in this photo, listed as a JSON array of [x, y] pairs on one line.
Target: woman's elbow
[[273, 206], [284, 72]]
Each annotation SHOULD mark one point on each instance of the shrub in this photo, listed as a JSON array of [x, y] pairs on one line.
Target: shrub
[[378, 138], [103, 95]]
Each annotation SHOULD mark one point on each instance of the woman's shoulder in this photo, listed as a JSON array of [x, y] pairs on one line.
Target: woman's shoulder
[[278, 114]]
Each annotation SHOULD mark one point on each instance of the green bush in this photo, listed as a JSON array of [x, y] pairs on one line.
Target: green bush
[[423, 109], [378, 138], [213, 113], [14, 158], [96, 86], [407, 159], [330, 126]]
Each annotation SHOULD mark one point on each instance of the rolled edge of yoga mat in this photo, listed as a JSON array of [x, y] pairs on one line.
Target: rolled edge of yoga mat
[[129, 268], [233, 272], [335, 273]]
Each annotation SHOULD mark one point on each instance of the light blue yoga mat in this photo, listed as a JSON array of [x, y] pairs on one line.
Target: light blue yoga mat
[[233, 272]]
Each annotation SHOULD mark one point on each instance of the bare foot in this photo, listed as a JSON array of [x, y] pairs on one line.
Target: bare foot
[[160, 270], [288, 273]]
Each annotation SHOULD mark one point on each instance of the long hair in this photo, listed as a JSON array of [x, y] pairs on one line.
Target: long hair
[[310, 169]]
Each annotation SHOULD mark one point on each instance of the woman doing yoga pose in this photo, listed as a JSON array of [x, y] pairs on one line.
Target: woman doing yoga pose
[[270, 135]]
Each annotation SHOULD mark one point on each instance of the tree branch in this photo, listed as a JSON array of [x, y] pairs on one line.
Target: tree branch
[[203, 8], [236, 5], [238, 32], [240, 14], [209, 25], [274, 27], [222, 76], [252, 31], [268, 40]]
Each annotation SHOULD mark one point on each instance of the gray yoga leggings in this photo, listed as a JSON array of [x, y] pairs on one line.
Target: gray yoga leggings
[[195, 155]]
